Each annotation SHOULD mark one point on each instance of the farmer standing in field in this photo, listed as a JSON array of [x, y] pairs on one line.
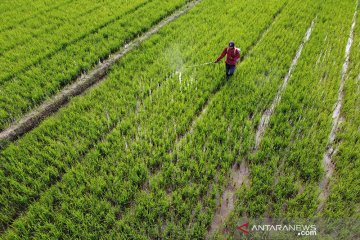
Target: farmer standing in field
[[233, 56]]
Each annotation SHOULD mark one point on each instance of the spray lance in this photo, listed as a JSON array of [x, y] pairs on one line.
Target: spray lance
[[198, 65], [192, 66]]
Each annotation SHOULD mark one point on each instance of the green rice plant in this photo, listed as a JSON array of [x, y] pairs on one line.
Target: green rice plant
[[199, 163], [18, 12], [56, 26], [47, 76], [23, 56], [300, 126], [146, 140], [343, 201]]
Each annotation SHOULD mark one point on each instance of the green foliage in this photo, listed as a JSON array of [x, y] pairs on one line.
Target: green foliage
[[136, 158], [46, 63]]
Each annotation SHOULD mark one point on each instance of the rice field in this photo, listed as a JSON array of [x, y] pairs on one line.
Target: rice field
[[116, 123]]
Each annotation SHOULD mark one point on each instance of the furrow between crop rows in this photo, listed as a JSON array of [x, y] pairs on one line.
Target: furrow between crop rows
[[328, 164], [239, 176]]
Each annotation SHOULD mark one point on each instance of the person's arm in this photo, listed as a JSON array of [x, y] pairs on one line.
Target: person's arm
[[221, 56]]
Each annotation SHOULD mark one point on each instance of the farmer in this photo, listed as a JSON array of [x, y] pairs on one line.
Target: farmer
[[233, 56]]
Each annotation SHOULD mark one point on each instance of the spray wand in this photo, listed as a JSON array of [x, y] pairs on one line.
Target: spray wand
[[192, 66], [200, 65]]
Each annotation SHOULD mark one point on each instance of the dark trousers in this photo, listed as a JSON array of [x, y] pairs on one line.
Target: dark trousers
[[230, 69]]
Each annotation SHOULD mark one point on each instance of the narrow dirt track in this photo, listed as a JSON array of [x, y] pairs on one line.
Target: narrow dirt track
[[84, 82], [331, 149]]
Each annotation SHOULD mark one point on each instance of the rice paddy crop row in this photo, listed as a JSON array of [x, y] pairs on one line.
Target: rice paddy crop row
[[138, 157], [23, 56], [17, 12], [83, 130], [55, 27], [288, 168], [140, 139], [344, 197], [193, 176], [51, 73], [183, 195]]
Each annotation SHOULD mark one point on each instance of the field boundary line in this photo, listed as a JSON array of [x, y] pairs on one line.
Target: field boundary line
[[240, 175], [84, 82], [331, 148]]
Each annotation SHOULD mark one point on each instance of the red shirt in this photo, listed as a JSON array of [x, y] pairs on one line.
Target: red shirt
[[232, 56]]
